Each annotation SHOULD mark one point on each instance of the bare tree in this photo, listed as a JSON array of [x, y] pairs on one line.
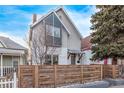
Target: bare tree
[[39, 47]]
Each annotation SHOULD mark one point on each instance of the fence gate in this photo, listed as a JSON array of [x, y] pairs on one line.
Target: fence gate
[[8, 82]]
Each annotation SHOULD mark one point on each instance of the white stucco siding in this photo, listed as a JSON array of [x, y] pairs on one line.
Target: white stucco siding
[[63, 57], [69, 60], [86, 57], [64, 38]]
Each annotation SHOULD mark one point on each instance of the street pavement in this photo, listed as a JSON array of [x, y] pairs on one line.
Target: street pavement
[[121, 86]]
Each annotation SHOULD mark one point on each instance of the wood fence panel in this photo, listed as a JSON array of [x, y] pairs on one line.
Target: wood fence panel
[[68, 74], [59, 75], [110, 71], [46, 76], [91, 73], [26, 77]]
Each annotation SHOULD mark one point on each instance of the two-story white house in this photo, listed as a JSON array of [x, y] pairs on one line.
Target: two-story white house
[[60, 35]]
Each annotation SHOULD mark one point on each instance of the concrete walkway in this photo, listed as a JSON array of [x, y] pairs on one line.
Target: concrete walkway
[[121, 86]]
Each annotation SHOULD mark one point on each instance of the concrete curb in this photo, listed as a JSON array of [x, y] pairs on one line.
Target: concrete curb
[[115, 82], [97, 84]]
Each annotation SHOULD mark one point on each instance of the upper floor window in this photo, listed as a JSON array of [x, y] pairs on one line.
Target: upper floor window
[[57, 32], [49, 30], [53, 29]]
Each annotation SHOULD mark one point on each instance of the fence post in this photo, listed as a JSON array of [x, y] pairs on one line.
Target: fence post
[[81, 73], [55, 72], [101, 72], [1, 66], [14, 80], [19, 76], [113, 72], [36, 76]]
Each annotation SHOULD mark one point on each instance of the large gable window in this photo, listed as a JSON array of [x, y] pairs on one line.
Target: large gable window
[[53, 29], [57, 32], [49, 30]]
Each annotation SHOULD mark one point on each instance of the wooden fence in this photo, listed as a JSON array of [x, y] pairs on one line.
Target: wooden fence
[[111, 71], [58, 75]]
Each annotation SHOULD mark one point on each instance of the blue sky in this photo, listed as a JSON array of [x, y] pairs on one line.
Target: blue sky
[[15, 20]]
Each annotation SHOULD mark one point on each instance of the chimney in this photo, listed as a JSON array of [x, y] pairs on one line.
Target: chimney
[[34, 18]]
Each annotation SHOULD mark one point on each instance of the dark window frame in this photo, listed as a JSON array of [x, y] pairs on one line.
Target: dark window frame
[[52, 58], [58, 40]]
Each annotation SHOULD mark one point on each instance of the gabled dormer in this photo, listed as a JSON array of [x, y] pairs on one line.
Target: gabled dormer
[[53, 29]]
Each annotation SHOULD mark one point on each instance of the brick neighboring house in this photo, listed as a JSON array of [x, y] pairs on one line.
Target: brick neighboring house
[[62, 35], [86, 48]]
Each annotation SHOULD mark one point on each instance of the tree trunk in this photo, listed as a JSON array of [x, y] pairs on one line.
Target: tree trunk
[[114, 61]]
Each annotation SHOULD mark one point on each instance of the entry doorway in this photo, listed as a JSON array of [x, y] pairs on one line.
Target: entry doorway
[[15, 61], [73, 59]]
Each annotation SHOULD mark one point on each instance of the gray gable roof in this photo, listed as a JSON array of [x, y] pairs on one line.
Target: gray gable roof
[[8, 43], [54, 11]]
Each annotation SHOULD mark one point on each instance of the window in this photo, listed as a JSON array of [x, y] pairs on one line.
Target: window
[[53, 30], [51, 59], [56, 32], [15, 65], [48, 59], [49, 29], [55, 59]]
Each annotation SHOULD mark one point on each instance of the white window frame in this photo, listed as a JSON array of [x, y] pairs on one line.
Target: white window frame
[[49, 27], [57, 29]]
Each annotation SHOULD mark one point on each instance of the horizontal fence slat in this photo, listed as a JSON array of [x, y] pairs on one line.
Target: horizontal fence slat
[[57, 75]]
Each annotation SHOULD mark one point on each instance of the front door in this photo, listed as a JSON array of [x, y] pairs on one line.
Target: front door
[[73, 58], [15, 63]]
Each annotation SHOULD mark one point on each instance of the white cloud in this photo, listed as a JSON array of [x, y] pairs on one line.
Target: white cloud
[[17, 39], [82, 19]]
